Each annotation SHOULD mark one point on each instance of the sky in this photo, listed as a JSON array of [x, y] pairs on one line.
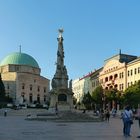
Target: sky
[[94, 30]]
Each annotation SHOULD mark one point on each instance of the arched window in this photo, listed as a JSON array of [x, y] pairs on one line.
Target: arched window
[[44, 98], [38, 98], [111, 77], [106, 79], [23, 86], [44, 89], [30, 98], [31, 87], [38, 88], [115, 76]]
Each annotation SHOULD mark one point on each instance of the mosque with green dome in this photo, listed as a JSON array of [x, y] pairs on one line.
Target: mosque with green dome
[[20, 73]]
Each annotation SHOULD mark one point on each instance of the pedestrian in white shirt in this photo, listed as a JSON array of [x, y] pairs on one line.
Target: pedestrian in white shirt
[[127, 117]]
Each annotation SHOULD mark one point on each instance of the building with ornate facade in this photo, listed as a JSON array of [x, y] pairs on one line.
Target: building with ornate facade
[[120, 71], [20, 73]]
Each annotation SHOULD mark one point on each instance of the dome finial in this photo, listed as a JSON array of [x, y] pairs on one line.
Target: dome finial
[[20, 48]]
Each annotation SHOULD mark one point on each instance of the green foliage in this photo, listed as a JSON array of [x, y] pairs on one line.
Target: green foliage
[[97, 95], [111, 95], [74, 100], [132, 95], [87, 101], [2, 89], [3, 98]]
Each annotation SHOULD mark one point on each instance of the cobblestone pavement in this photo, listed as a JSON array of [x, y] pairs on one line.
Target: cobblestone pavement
[[17, 128]]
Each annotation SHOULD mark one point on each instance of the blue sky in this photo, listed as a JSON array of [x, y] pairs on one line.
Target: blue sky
[[94, 30]]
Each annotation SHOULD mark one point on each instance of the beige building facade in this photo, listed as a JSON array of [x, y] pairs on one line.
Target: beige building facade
[[120, 72], [94, 79], [78, 89], [22, 80], [85, 85]]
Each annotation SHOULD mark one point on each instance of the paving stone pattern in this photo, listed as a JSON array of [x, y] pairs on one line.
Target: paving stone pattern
[[15, 127]]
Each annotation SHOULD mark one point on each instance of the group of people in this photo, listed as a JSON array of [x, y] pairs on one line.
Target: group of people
[[127, 117], [105, 114]]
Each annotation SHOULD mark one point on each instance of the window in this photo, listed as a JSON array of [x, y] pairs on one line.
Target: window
[[38, 98], [115, 76], [131, 72], [44, 98], [128, 73], [106, 79], [17, 68], [30, 98], [97, 83], [38, 88], [31, 87], [44, 89], [23, 86], [138, 69], [135, 71], [122, 74], [128, 84], [122, 86], [111, 77]]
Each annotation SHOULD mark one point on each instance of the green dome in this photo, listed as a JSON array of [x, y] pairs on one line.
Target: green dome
[[19, 58]]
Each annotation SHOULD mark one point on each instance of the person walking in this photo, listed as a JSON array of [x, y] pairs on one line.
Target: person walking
[[127, 117], [107, 115], [5, 112], [56, 109]]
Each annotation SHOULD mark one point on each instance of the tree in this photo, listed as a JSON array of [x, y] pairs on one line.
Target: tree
[[3, 98], [2, 90], [113, 97], [132, 95], [87, 101], [98, 96]]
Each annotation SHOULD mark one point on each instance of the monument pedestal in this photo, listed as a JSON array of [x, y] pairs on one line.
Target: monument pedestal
[[64, 101]]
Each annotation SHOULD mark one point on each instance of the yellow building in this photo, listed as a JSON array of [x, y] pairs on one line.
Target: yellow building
[[94, 79], [21, 76], [120, 71]]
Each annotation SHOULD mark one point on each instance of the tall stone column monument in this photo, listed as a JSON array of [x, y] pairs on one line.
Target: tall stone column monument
[[61, 93]]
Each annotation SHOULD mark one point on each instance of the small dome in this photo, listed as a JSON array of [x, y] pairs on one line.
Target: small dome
[[19, 58]]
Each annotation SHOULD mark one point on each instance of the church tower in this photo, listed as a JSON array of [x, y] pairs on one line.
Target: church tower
[[61, 93]]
